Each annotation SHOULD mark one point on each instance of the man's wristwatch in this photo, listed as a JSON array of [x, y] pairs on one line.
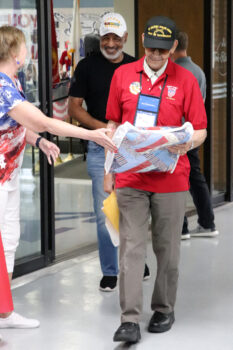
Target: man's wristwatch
[[38, 141]]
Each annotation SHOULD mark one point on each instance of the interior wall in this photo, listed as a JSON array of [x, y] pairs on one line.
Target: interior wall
[[126, 9], [188, 16]]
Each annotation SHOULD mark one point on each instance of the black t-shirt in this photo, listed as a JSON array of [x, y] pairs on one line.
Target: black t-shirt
[[91, 81]]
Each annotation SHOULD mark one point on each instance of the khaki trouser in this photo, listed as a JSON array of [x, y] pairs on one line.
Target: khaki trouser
[[167, 211]]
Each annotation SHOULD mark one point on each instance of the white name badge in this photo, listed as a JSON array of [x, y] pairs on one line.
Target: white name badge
[[145, 119]]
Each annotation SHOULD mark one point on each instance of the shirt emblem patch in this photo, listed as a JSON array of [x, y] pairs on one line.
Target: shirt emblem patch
[[134, 88], [171, 91]]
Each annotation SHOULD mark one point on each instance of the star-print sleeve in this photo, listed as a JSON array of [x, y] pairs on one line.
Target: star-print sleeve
[[9, 96]]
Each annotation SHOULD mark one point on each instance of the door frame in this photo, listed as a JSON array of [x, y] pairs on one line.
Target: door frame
[[47, 217]]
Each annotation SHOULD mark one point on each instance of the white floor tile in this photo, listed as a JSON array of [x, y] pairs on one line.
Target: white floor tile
[[74, 314]]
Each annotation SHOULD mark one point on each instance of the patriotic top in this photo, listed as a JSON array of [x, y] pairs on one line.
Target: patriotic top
[[12, 134], [181, 98]]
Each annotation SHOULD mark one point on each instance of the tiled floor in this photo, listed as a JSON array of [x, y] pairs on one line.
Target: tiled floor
[[75, 315], [75, 222]]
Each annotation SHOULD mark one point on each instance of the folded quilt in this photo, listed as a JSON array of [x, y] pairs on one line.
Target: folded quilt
[[145, 149]]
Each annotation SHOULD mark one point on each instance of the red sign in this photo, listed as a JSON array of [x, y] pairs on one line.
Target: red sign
[[6, 303], [55, 68]]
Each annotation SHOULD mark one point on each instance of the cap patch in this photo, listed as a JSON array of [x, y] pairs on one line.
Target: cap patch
[[159, 31], [112, 24]]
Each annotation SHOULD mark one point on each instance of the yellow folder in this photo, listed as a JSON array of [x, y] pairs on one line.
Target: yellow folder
[[111, 211]]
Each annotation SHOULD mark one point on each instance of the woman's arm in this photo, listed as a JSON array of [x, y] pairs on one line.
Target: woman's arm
[[33, 119]]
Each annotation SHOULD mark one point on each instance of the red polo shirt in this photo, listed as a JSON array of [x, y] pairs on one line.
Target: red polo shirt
[[181, 97]]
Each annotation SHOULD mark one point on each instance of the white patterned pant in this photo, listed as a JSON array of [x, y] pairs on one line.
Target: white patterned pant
[[9, 224]]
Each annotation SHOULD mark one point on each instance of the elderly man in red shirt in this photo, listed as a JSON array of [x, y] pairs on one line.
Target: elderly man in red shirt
[[174, 93]]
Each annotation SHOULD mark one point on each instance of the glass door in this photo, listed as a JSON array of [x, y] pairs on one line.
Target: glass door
[[33, 250], [75, 222], [23, 15], [74, 216]]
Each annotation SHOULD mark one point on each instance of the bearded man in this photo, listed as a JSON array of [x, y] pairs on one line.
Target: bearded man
[[91, 82]]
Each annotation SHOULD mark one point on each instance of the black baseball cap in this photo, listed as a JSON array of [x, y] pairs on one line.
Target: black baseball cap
[[160, 33]]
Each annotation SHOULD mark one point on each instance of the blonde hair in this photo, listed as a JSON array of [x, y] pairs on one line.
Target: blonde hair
[[10, 40]]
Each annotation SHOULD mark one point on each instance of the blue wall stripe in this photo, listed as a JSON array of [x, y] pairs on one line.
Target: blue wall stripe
[[9, 4], [83, 3]]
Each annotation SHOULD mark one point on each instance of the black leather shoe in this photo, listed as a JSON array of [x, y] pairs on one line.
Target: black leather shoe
[[161, 322], [128, 332]]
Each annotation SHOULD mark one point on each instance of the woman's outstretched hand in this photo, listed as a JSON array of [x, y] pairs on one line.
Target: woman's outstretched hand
[[50, 150], [99, 136]]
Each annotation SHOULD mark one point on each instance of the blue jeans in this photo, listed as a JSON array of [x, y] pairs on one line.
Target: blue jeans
[[107, 251]]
